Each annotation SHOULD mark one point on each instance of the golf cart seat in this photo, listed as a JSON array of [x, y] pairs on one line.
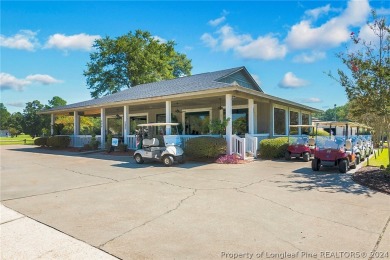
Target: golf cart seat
[[348, 146], [151, 142], [312, 142]]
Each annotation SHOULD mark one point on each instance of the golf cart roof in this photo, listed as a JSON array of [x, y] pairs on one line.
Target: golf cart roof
[[302, 126], [159, 124], [342, 123]]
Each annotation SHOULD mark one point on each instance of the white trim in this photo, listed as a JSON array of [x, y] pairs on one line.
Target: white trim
[[103, 126], [210, 109], [126, 123], [168, 116], [251, 116], [52, 120], [229, 127], [76, 123]]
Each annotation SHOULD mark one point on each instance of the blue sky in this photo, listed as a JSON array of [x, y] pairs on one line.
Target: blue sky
[[286, 45]]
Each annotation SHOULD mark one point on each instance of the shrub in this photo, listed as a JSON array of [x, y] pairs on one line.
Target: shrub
[[122, 147], [94, 143], [273, 148], [58, 141], [320, 132], [87, 147], [205, 147], [41, 141]]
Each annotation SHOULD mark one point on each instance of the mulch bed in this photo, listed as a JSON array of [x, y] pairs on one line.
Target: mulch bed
[[374, 178]]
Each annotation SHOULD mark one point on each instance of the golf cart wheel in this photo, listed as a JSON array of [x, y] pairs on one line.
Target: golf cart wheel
[[315, 165], [343, 166], [357, 159], [287, 156], [306, 157], [168, 160], [138, 159]]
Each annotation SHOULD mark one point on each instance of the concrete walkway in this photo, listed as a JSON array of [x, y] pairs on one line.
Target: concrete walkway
[[191, 211], [24, 238]]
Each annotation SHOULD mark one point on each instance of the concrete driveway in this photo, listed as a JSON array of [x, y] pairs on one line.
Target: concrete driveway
[[196, 211]]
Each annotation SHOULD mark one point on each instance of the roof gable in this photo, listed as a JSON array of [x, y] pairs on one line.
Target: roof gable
[[243, 78]]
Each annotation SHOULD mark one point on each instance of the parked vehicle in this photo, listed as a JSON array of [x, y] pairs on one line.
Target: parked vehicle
[[154, 144], [336, 151], [300, 146]]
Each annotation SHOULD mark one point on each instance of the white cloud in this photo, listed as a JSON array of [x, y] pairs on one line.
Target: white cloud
[[23, 40], [291, 81], [309, 57], [332, 33], [10, 82], [16, 104], [219, 20], [264, 47], [42, 78], [311, 100], [80, 41], [383, 11], [209, 40], [160, 39], [315, 13]]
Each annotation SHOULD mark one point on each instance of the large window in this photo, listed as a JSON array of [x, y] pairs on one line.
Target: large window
[[136, 120], [294, 120], [114, 126], [197, 123], [279, 121], [305, 121]]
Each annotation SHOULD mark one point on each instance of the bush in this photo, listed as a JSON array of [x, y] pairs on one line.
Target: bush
[[273, 148], [122, 147], [205, 147], [58, 141], [320, 132], [41, 141], [94, 143]]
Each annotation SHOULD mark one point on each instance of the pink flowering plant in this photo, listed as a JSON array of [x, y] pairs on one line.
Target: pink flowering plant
[[229, 159]]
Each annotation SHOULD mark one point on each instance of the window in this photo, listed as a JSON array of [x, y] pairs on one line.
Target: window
[[279, 121], [305, 121], [239, 121], [294, 120], [114, 126], [197, 123], [136, 120]]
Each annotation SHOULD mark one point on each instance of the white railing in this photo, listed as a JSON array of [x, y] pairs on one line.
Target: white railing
[[251, 143], [238, 146], [131, 141], [81, 140]]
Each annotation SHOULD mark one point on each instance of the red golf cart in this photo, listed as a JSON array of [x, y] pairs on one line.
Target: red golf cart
[[300, 146]]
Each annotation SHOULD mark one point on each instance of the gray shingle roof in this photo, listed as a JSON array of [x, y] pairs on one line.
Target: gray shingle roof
[[198, 82]]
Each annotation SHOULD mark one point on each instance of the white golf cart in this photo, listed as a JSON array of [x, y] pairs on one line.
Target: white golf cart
[[153, 143]]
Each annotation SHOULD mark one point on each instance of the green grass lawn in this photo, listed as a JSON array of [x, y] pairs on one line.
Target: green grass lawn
[[16, 140], [381, 159]]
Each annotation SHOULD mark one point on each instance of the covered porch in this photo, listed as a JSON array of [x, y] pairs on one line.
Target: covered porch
[[253, 116]]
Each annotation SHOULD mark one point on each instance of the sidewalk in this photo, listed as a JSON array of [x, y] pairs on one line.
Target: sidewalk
[[24, 238]]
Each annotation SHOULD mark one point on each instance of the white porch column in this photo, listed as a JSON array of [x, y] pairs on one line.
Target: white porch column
[[229, 127], [287, 120], [76, 123], [126, 125], [168, 112], [272, 119], [52, 119], [300, 122], [251, 119], [102, 127]]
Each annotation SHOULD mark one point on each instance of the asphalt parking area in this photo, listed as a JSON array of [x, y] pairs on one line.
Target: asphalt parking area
[[194, 210]]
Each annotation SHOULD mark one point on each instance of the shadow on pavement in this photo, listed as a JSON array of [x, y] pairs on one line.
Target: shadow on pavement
[[325, 180], [127, 160]]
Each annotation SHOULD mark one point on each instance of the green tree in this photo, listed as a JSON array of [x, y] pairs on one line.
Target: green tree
[[56, 101], [16, 121], [367, 80], [4, 117], [33, 123], [130, 60], [341, 113]]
